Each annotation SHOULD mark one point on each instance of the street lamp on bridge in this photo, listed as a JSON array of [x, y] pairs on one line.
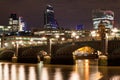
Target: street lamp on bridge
[[104, 44], [114, 31], [73, 36]]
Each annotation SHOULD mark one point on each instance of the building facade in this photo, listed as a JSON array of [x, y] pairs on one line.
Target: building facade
[[106, 16], [16, 23], [49, 18]]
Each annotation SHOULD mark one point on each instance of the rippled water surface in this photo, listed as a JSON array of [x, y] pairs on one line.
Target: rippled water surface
[[82, 70]]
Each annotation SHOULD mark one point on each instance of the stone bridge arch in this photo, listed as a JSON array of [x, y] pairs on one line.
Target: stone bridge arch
[[7, 54], [67, 49], [7, 50]]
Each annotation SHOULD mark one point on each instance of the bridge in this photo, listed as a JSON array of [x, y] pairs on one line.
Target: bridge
[[66, 50], [63, 52]]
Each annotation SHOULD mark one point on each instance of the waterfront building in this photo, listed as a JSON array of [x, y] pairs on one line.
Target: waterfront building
[[106, 16]]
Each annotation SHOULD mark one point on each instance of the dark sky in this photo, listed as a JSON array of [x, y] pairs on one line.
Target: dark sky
[[68, 13]]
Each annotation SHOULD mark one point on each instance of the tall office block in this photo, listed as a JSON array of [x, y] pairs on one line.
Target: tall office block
[[22, 26], [16, 23], [106, 16], [49, 18]]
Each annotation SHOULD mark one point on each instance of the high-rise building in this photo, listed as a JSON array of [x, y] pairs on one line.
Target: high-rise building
[[21, 24], [106, 16], [16, 23], [49, 18], [80, 27]]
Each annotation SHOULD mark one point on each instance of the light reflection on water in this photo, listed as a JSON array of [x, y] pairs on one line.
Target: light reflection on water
[[58, 74], [82, 70]]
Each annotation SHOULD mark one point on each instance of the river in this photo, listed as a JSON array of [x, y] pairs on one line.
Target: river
[[82, 70]]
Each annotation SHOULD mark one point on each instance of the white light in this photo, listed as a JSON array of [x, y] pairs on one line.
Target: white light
[[20, 42], [63, 39], [77, 37], [6, 44], [93, 33], [115, 30], [13, 43], [31, 40], [73, 34], [44, 38], [57, 36]]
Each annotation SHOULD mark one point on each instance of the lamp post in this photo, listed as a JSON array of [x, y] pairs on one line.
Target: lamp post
[[15, 56], [115, 30], [49, 43], [104, 44], [73, 35], [17, 46]]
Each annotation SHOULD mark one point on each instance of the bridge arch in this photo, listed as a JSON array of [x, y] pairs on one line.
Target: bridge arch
[[7, 50], [84, 50], [68, 49], [6, 54]]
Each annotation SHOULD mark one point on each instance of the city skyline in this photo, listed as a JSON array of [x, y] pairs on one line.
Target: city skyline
[[68, 13]]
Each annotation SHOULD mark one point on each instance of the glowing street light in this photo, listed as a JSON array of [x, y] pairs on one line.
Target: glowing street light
[[73, 35], [114, 30]]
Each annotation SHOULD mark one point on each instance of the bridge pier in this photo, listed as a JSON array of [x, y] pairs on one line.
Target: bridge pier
[[47, 60], [103, 60], [14, 59]]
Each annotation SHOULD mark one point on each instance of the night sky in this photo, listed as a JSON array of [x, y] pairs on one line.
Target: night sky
[[68, 13]]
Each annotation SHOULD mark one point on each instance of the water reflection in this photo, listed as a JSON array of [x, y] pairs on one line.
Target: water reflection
[[88, 69], [82, 70], [32, 74], [58, 74], [13, 72], [6, 72], [44, 74]]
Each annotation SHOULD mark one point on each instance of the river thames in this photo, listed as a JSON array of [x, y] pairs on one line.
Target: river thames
[[82, 70]]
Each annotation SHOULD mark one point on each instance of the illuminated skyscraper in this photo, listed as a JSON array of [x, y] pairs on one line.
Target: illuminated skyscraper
[[106, 16], [49, 19], [16, 23], [21, 24]]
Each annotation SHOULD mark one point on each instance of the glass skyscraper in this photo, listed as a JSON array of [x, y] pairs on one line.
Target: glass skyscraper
[[106, 16], [49, 19]]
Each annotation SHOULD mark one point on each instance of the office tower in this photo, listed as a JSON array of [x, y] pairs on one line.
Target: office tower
[[49, 19], [106, 16], [16, 23], [21, 24], [80, 27]]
